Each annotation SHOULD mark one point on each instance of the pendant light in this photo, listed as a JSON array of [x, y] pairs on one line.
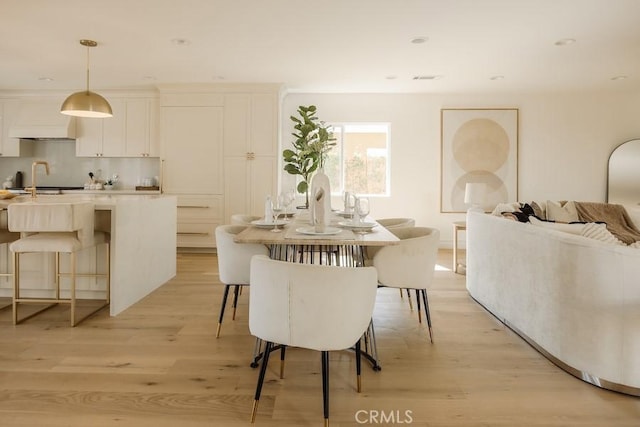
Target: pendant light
[[86, 103]]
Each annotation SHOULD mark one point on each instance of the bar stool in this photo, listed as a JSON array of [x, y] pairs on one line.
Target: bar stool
[[7, 237], [55, 228]]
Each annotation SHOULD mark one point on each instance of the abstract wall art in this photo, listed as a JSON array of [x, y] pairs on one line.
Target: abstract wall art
[[478, 145]]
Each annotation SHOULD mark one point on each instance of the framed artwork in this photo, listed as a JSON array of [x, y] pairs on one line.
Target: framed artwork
[[478, 146]]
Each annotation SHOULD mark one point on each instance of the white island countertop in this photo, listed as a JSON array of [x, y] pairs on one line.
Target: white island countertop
[[143, 239]]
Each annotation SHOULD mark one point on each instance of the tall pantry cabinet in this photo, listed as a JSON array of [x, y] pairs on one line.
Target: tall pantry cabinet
[[219, 155], [250, 152]]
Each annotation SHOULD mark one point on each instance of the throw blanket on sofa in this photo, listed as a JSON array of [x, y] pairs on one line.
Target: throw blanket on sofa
[[615, 216]]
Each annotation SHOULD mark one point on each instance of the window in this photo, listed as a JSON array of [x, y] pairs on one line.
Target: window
[[359, 163]]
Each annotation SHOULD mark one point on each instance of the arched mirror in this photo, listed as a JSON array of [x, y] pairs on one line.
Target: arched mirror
[[624, 174]]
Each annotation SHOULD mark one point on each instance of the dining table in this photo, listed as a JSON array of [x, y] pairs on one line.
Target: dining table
[[343, 242]]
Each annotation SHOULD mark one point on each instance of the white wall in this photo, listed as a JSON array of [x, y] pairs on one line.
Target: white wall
[[564, 143]]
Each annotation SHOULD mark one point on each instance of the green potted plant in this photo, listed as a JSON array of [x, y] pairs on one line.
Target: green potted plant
[[313, 140]]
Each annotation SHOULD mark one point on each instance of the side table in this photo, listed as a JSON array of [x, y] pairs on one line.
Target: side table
[[457, 226]]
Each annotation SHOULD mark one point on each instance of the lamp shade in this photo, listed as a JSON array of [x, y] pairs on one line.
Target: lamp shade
[[474, 193], [86, 104]]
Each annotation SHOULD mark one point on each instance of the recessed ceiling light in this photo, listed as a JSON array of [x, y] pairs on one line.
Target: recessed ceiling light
[[45, 79], [431, 77], [496, 78], [419, 40], [391, 77], [148, 78], [180, 42], [565, 42], [618, 78]]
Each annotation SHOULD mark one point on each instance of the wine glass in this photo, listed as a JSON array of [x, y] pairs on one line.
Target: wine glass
[[288, 197], [362, 208], [349, 203], [276, 208]]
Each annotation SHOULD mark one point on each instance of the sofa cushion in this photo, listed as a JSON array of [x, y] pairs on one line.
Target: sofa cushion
[[562, 212]]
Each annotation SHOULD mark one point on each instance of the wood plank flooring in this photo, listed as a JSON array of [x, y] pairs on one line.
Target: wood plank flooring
[[159, 364]]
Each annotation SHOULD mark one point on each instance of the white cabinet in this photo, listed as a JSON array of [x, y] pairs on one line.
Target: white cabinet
[[131, 132], [198, 217], [11, 147], [192, 149], [250, 152]]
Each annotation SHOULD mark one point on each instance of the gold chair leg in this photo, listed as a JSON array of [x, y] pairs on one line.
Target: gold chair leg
[[16, 286], [254, 410], [72, 287]]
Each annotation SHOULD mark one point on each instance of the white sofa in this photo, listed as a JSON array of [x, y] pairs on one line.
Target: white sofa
[[575, 299]]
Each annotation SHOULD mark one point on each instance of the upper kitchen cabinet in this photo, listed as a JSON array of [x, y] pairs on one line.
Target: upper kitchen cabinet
[[131, 132], [191, 135], [12, 146]]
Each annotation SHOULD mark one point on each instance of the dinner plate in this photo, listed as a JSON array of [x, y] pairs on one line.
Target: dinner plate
[[261, 223], [344, 214], [361, 226], [312, 231]]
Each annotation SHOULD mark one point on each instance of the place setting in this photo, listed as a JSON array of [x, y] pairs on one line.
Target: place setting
[[356, 209]]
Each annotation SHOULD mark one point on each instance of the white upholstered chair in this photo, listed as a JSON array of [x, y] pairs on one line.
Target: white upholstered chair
[[234, 262], [243, 219], [390, 224], [317, 307], [410, 264], [55, 228]]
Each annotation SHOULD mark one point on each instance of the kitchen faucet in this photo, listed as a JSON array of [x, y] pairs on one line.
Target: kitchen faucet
[[32, 189]]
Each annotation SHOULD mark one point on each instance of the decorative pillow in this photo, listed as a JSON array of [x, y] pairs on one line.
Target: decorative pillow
[[562, 212], [598, 231], [575, 228], [538, 211]]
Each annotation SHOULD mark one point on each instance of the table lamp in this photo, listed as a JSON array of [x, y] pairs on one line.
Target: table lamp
[[474, 193]]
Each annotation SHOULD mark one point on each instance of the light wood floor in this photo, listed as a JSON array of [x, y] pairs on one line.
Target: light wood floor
[[158, 364]]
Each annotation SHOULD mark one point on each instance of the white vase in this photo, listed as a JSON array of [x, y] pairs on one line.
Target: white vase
[[320, 203]]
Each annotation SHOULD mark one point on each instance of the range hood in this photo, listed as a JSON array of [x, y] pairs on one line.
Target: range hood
[[41, 120]]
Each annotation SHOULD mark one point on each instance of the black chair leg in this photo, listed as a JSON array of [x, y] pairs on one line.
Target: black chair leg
[[418, 302], [283, 348], [236, 290], [358, 366], [325, 386], [426, 310], [408, 298], [224, 303], [263, 370]]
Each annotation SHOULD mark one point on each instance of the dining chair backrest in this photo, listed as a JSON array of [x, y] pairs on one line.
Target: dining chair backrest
[[243, 219], [76, 218], [390, 223], [318, 307], [411, 263], [234, 259]]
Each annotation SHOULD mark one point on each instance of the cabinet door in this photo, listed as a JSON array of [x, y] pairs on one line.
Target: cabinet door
[[11, 147], [236, 125], [247, 183], [114, 130], [192, 149], [88, 137], [137, 128], [264, 121]]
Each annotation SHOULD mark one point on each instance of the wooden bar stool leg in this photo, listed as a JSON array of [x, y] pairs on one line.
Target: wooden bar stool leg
[[16, 286]]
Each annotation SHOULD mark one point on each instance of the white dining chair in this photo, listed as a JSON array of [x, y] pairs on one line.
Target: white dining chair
[[243, 219], [410, 264], [390, 224], [234, 262], [60, 228], [317, 307]]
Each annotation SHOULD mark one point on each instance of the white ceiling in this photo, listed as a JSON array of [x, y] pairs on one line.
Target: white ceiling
[[323, 45]]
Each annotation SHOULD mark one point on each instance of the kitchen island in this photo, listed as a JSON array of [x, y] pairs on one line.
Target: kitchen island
[[143, 243]]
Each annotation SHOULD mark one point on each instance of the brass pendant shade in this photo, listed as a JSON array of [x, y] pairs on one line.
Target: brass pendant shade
[[86, 103]]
